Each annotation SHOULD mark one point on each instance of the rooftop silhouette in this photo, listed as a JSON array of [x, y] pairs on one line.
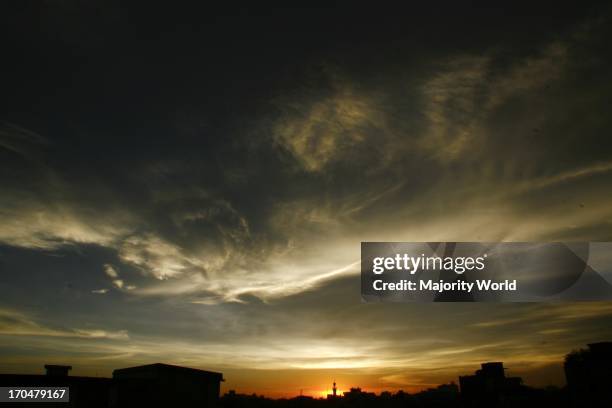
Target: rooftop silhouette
[[588, 372]]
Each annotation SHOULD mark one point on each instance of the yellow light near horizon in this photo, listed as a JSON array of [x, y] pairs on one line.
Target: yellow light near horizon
[[326, 392]]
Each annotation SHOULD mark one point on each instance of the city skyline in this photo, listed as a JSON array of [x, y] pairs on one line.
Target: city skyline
[[578, 364]]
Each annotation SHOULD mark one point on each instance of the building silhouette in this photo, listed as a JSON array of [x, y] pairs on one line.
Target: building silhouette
[[91, 392], [57, 370], [164, 385], [334, 393], [588, 373], [355, 397], [489, 386], [151, 386]]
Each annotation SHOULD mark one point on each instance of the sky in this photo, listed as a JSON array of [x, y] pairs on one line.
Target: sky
[[191, 185]]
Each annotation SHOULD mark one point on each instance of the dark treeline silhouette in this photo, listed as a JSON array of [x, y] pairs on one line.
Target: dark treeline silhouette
[[588, 372]]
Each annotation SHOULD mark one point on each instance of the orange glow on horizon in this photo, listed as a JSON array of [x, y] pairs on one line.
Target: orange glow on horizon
[[324, 393]]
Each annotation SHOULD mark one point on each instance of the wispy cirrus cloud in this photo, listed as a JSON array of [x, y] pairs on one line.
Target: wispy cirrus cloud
[[14, 323]]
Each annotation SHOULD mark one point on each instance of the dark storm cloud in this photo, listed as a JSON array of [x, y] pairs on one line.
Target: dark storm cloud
[[195, 183]]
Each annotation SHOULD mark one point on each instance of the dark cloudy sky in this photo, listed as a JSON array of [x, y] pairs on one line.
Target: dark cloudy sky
[[191, 185]]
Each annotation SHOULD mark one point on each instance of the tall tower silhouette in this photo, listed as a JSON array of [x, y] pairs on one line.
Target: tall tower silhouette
[[334, 389]]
